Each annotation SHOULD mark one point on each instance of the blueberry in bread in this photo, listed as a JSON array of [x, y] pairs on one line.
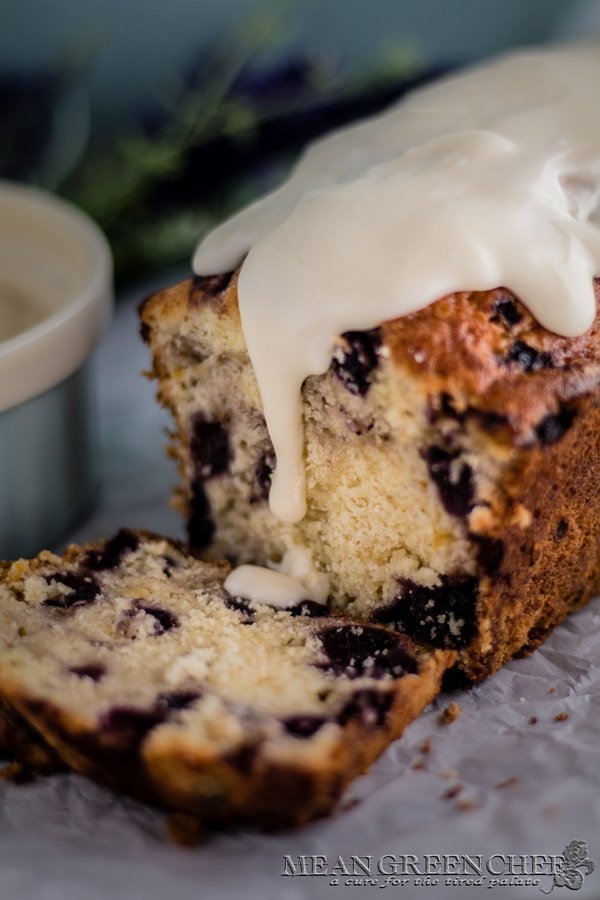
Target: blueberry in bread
[[451, 457], [132, 663]]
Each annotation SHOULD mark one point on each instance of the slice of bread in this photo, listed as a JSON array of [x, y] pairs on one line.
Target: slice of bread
[[134, 665]]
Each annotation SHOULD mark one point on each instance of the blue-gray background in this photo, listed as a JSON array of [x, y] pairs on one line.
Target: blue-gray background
[[138, 46], [160, 117]]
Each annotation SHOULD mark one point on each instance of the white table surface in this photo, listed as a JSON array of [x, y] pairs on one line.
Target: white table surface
[[62, 838]]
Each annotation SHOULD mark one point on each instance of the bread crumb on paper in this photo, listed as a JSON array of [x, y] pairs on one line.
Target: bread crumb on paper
[[451, 713], [453, 791], [463, 804], [508, 782]]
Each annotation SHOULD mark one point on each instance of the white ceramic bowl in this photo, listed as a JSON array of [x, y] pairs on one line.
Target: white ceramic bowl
[[55, 303]]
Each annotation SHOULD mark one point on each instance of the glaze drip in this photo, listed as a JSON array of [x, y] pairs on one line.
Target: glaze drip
[[485, 179]]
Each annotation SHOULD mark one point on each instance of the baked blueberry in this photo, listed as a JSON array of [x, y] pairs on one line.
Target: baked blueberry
[[453, 478], [210, 447], [489, 552], [553, 427], [125, 727], [309, 608], [442, 615], [125, 541], [163, 619], [355, 361], [528, 358], [200, 524], [263, 473], [83, 589], [240, 606], [178, 700], [506, 312], [303, 726], [356, 650], [95, 671]]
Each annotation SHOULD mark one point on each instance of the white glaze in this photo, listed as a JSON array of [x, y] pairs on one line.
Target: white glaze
[[265, 586], [297, 562], [486, 179]]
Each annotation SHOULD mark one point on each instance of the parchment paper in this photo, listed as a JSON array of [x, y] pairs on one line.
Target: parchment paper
[[62, 838]]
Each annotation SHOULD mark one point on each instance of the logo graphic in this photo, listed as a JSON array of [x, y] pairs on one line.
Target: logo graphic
[[574, 858], [544, 871]]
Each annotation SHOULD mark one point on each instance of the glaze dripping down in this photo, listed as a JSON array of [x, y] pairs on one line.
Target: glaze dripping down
[[489, 178]]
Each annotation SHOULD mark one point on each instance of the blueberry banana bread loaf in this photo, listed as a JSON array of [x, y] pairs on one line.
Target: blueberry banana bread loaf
[[135, 665], [452, 463]]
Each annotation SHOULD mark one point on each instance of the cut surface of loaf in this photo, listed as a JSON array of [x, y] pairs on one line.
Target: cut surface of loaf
[[133, 665], [452, 460]]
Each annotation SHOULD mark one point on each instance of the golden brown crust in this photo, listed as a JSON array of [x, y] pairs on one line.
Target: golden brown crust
[[486, 351], [551, 566]]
